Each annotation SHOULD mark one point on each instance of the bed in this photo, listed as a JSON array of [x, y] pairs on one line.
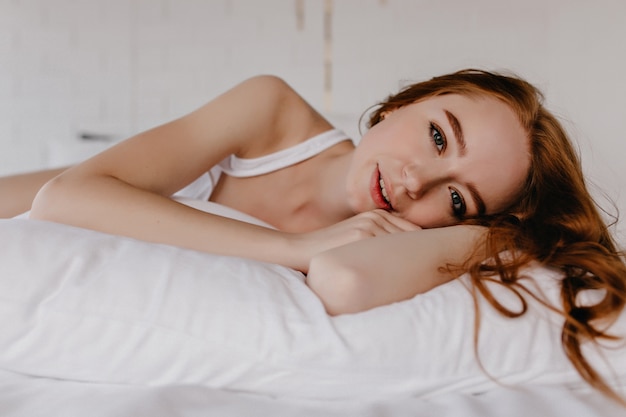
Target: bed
[[101, 325]]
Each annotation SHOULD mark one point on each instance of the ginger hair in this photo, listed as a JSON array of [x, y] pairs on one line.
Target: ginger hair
[[553, 220]]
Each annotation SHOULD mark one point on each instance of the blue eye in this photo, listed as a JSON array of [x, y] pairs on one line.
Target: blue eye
[[458, 205], [438, 138]]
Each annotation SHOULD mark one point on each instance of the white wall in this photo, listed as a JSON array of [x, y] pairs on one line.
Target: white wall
[[120, 66]]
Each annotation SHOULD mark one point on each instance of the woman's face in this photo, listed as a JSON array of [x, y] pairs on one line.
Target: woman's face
[[441, 159]]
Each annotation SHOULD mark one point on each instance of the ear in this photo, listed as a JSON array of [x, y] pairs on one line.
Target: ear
[[384, 114]]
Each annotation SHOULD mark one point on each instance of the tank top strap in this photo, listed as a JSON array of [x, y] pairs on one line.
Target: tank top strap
[[250, 167]]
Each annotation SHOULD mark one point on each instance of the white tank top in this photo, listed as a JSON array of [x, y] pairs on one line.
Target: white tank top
[[202, 188]]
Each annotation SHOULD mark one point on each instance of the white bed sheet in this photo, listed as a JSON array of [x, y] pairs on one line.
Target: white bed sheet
[[24, 396], [62, 289], [84, 306]]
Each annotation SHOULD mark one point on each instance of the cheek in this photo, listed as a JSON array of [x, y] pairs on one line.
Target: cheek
[[371, 142], [384, 133], [393, 139], [428, 213]]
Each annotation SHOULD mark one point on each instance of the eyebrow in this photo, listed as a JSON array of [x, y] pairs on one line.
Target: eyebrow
[[458, 131], [460, 139]]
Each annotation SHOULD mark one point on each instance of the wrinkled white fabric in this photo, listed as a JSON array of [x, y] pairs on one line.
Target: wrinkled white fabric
[[85, 306]]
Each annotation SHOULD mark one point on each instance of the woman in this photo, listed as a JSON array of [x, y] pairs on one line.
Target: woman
[[416, 169], [470, 165]]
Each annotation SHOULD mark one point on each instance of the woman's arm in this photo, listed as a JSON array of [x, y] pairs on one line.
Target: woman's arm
[[395, 267], [18, 191], [126, 189]]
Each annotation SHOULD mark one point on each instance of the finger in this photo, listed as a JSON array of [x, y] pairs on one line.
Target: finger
[[399, 224], [380, 223]]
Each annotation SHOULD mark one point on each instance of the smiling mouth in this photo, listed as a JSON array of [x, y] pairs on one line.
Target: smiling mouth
[[383, 191]]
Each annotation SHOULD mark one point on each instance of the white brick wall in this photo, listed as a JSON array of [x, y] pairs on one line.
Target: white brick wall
[[120, 66]]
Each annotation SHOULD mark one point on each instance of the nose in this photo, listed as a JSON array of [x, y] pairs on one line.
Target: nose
[[417, 179]]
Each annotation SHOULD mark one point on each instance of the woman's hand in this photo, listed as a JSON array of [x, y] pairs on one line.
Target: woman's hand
[[361, 226]]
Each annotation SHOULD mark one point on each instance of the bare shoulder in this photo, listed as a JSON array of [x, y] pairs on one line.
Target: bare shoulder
[[282, 116], [255, 117]]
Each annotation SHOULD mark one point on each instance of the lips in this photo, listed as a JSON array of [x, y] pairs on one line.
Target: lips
[[379, 192]]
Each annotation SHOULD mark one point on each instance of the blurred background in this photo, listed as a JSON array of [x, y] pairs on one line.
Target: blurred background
[[79, 75]]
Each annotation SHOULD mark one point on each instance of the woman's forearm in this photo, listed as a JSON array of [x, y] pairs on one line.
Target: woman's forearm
[[125, 190], [109, 205], [386, 269]]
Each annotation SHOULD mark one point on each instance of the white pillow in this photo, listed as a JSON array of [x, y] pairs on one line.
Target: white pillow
[[81, 305]]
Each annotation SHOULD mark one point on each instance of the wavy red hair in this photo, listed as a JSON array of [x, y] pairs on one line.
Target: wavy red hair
[[553, 221]]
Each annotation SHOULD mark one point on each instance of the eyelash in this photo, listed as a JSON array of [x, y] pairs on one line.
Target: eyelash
[[439, 139], [440, 142], [457, 199]]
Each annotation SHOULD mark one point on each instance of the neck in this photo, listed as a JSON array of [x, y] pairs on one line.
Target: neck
[[317, 196], [330, 186]]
